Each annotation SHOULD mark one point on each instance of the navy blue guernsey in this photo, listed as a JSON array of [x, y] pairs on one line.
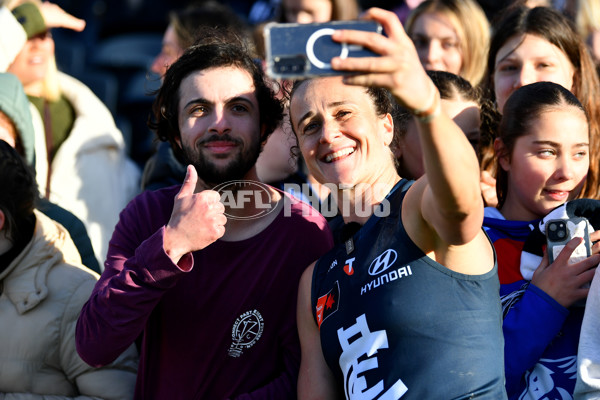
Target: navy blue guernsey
[[395, 324]]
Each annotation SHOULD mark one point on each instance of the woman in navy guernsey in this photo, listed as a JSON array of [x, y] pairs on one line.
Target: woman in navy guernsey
[[408, 306]]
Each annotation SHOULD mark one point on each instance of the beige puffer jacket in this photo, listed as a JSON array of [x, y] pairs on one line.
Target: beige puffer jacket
[[41, 294]]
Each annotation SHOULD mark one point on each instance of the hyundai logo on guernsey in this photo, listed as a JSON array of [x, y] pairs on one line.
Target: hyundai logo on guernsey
[[381, 264]]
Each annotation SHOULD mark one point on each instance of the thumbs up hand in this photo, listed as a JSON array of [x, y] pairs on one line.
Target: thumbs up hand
[[197, 220]]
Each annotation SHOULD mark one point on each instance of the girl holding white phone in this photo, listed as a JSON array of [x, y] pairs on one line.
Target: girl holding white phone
[[542, 155]]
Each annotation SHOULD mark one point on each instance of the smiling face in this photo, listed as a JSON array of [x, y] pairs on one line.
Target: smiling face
[[340, 135], [437, 43], [32, 63], [548, 165], [219, 123], [526, 59]]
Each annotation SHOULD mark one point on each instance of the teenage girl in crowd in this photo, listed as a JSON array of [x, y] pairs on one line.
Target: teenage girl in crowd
[[452, 36], [542, 161], [540, 44], [378, 315]]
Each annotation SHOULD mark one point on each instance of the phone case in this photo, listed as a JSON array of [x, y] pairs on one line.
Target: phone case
[[305, 50], [560, 231]]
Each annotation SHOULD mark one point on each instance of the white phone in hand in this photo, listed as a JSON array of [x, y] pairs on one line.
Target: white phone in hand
[[560, 231]]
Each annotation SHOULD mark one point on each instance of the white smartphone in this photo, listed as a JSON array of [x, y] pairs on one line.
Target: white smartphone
[[560, 231], [305, 50]]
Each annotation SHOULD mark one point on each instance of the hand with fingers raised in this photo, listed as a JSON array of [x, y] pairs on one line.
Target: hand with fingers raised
[[398, 68], [197, 220]]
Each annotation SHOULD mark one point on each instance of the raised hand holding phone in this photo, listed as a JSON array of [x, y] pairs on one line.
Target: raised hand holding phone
[[305, 50], [397, 66]]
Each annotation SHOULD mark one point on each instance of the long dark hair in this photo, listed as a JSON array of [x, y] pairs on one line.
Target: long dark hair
[[558, 30]]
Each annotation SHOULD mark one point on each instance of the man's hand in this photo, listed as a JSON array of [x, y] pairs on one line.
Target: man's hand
[[197, 219]]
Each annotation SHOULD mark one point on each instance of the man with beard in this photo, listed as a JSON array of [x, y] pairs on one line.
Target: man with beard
[[209, 286]]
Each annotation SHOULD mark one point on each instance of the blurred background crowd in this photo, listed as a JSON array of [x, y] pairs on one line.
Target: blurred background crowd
[[114, 54]]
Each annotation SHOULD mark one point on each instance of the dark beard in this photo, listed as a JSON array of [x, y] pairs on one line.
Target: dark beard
[[235, 170]]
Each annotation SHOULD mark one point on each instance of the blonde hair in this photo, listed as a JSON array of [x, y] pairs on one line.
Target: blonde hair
[[587, 19], [50, 85], [472, 28]]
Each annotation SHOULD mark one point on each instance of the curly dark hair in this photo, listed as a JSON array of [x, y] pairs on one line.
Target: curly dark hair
[[217, 47], [19, 193]]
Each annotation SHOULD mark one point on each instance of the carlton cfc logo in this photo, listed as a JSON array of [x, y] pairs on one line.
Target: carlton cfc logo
[[383, 262]]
